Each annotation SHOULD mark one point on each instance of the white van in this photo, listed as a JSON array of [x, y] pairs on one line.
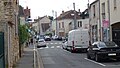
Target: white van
[[78, 40]]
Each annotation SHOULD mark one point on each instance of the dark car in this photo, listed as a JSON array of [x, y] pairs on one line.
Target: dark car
[[47, 38], [99, 51]]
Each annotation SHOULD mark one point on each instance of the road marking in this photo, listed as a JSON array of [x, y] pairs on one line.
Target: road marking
[[47, 47], [47, 43], [56, 43], [60, 43], [58, 46], [51, 43], [95, 62], [52, 46]]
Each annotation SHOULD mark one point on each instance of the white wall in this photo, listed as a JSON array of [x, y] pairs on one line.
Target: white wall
[[114, 13], [22, 21], [66, 24], [85, 23]]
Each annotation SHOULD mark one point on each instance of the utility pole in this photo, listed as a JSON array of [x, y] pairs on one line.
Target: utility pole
[[89, 23], [75, 27], [100, 29], [56, 24]]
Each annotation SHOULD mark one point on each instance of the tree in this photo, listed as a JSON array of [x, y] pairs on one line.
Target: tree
[[23, 34]]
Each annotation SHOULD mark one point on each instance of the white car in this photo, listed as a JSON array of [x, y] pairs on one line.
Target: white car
[[41, 43], [64, 45]]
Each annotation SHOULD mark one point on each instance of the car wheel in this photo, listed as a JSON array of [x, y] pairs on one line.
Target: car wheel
[[72, 51], [118, 59], [97, 58], [88, 56]]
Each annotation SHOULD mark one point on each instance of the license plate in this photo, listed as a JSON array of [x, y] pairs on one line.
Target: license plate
[[112, 54]]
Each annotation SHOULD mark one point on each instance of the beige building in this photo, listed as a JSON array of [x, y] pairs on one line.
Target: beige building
[[65, 22], [9, 26], [104, 20], [94, 21], [114, 8], [42, 24]]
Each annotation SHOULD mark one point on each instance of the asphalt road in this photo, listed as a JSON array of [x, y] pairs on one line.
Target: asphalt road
[[53, 56]]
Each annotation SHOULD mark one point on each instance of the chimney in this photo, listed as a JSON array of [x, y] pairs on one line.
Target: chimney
[[62, 11], [79, 13]]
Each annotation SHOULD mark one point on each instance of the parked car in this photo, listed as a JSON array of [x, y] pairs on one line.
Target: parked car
[[64, 45], [47, 38], [59, 38], [55, 37], [99, 51], [41, 43]]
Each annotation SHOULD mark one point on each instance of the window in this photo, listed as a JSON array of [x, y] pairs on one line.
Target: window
[[93, 10], [115, 4], [62, 24], [103, 11], [59, 25], [79, 23], [95, 46]]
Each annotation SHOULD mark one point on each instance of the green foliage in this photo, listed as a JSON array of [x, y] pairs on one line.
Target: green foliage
[[23, 34], [49, 34]]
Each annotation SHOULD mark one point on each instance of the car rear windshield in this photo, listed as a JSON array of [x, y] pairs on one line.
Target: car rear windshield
[[101, 44], [110, 44], [41, 40]]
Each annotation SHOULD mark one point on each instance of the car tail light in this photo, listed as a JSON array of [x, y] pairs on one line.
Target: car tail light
[[73, 43], [73, 48]]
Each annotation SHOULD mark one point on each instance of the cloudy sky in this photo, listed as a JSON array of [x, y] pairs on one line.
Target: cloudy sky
[[46, 7]]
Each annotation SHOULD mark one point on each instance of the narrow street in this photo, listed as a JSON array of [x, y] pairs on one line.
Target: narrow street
[[53, 56]]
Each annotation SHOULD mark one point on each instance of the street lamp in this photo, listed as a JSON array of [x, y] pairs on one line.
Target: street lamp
[[56, 24]]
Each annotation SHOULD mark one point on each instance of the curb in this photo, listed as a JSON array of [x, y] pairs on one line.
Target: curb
[[39, 60]]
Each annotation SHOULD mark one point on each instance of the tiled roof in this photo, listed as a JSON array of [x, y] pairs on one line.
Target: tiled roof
[[67, 15]]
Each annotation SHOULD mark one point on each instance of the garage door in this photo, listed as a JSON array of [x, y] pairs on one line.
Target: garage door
[[116, 36], [2, 60]]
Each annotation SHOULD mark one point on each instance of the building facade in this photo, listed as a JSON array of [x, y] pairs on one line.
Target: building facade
[[41, 25], [27, 13], [114, 8], [95, 25], [65, 22], [9, 28]]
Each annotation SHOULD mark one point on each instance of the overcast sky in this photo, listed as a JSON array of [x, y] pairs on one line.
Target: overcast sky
[[45, 7]]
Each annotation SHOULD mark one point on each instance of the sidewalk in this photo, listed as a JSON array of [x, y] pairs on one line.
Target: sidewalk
[[26, 61]]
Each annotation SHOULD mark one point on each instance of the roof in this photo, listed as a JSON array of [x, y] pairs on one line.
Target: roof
[[67, 15], [94, 2]]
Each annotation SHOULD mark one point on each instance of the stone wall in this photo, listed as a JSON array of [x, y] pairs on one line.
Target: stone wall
[[9, 25]]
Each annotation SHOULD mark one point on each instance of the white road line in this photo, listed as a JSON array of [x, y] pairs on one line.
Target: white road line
[[60, 43], [47, 47], [56, 43], [47, 43], [95, 62], [51, 43], [58, 46], [52, 46]]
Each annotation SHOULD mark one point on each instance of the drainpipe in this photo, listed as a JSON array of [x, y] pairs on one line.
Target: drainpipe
[[109, 28], [100, 29]]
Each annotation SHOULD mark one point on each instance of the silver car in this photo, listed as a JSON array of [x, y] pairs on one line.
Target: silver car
[[41, 43]]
